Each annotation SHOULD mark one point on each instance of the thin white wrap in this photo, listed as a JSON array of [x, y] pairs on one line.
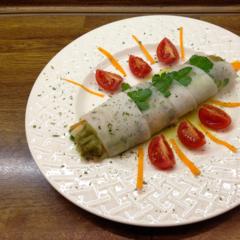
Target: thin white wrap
[[160, 112], [181, 99], [202, 86], [119, 124]]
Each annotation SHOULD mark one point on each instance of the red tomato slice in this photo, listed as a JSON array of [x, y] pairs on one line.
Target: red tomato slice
[[189, 135], [107, 80], [160, 153], [138, 66], [213, 117], [166, 52]]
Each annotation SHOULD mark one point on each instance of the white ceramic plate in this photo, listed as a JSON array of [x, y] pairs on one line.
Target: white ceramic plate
[[107, 188]]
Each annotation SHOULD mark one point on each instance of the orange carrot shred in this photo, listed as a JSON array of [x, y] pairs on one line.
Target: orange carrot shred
[[193, 168], [225, 104], [182, 50], [85, 88], [144, 50], [219, 141], [140, 168], [236, 65], [113, 61]]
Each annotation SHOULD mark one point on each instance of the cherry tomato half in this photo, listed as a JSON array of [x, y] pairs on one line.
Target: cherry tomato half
[[138, 66], [160, 153], [213, 117], [107, 80], [166, 52], [189, 135]]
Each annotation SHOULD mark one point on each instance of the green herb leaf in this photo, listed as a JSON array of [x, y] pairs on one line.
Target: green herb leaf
[[201, 62], [181, 76], [167, 94], [185, 81], [156, 78], [173, 75], [125, 87], [162, 83], [143, 105], [183, 72], [140, 97]]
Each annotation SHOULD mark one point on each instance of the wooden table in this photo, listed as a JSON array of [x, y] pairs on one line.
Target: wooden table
[[29, 207]]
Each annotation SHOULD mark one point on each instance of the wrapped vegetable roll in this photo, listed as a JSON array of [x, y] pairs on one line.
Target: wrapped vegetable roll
[[132, 117], [202, 85], [119, 124]]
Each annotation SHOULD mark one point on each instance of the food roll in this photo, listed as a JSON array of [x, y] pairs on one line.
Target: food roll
[[132, 117]]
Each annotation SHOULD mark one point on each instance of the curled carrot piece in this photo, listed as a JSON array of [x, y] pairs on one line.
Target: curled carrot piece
[[236, 65], [144, 50], [218, 140], [140, 168], [225, 104], [182, 50], [85, 88], [113, 60], [193, 168]]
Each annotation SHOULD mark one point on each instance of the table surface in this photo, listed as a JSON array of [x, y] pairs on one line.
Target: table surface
[[29, 207]]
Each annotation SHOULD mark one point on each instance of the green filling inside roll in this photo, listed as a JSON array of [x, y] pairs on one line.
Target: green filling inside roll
[[87, 141]]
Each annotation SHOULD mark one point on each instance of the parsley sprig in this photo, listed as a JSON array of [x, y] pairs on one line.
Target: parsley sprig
[[125, 86], [182, 76], [140, 97], [164, 81], [201, 62]]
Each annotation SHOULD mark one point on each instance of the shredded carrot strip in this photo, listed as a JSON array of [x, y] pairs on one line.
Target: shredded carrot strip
[[225, 104], [182, 50], [194, 169], [84, 88], [144, 50], [112, 60], [236, 65], [140, 168], [219, 141]]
